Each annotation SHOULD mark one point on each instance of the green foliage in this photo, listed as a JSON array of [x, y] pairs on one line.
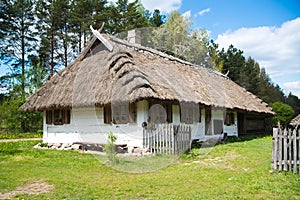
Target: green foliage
[[56, 29], [247, 73], [110, 148], [13, 119], [284, 112], [176, 37], [294, 102]]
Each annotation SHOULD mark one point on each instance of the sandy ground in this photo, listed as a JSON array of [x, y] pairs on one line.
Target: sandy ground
[[36, 187]]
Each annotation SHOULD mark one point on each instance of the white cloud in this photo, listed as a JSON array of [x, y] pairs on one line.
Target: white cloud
[[163, 6], [187, 14], [202, 12], [293, 86], [275, 48]]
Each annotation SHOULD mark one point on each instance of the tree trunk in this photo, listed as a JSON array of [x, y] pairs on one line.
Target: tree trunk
[[52, 54], [23, 58], [79, 41]]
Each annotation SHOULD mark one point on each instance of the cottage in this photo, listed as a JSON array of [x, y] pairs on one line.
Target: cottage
[[119, 86], [295, 121]]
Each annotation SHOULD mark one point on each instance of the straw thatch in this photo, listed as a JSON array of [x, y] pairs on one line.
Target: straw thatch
[[295, 121], [132, 72]]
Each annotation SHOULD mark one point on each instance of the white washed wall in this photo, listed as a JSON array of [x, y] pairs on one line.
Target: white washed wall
[[87, 125]]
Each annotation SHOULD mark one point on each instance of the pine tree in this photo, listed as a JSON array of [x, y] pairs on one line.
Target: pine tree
[[49, 23], [18, 37]]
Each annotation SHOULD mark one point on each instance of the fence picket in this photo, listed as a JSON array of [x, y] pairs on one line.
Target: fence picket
[[275, 148], [295, 151]]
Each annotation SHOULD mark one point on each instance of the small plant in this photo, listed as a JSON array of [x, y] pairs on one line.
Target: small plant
[[110, 148]]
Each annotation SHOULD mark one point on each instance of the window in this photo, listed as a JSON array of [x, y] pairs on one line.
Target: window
[[58, 117], [190, 113], [208, 122], [49, 116], [107, 114], [218, 126], [123, 113], [229, 119], [160, 113]]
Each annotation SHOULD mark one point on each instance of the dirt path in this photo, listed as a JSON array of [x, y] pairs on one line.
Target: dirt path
[[37, 187], [19, 139]]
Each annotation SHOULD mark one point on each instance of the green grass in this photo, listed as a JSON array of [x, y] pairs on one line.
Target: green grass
[[38, 134], [239, 170]]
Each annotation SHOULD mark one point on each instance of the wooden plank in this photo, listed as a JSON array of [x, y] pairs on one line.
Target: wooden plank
[[290, 150], [285, 149], [170, 139], [102, 39], [173, 140], [298, 150], [295, 151], [280, 137], [275, 148]]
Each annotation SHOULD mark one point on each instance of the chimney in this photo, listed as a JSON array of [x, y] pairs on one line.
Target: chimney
[[134, 36]]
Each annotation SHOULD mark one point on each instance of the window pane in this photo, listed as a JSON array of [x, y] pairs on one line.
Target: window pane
[[49, 117], [67, 116], [107, 114], [120, 113], [218, 126], [58, 117]]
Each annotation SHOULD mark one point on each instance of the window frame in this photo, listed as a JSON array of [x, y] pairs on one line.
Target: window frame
[[190, 113], [120, 113], [229, 118], [167, 106], [58, 117]]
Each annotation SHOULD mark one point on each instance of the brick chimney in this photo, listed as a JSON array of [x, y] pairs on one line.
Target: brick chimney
[[134, 36]]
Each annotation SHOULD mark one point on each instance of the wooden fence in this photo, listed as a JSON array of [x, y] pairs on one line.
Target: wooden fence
[[286, 149], [167, 138]]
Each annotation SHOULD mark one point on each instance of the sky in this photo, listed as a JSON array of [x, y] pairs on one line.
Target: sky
[[266, 30]]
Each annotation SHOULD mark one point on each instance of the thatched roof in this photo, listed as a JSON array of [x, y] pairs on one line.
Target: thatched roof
[[132, 72], [295, 121]]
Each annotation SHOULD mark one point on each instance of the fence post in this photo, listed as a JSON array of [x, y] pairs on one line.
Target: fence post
[[285, 150], [290, 149], [275, 147], [298, 138], [295, 151], [280, 137]]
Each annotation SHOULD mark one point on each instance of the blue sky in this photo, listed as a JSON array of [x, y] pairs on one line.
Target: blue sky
[[266, 30]]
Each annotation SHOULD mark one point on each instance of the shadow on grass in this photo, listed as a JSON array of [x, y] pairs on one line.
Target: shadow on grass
[[139, 164], [229, 139]]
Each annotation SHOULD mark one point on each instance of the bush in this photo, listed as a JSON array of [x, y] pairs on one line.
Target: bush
[[110, 148], [284, 113]]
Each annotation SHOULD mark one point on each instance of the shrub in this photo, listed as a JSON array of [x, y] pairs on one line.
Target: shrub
[[110, 148]]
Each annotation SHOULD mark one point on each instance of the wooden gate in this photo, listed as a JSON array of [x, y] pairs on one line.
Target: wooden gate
[[167, 138], [286, 148]]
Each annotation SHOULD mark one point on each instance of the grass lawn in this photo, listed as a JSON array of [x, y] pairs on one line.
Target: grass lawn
[[240, 170]]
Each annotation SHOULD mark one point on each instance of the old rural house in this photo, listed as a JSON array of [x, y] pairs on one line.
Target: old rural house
[[120, 86], [295, 121]]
